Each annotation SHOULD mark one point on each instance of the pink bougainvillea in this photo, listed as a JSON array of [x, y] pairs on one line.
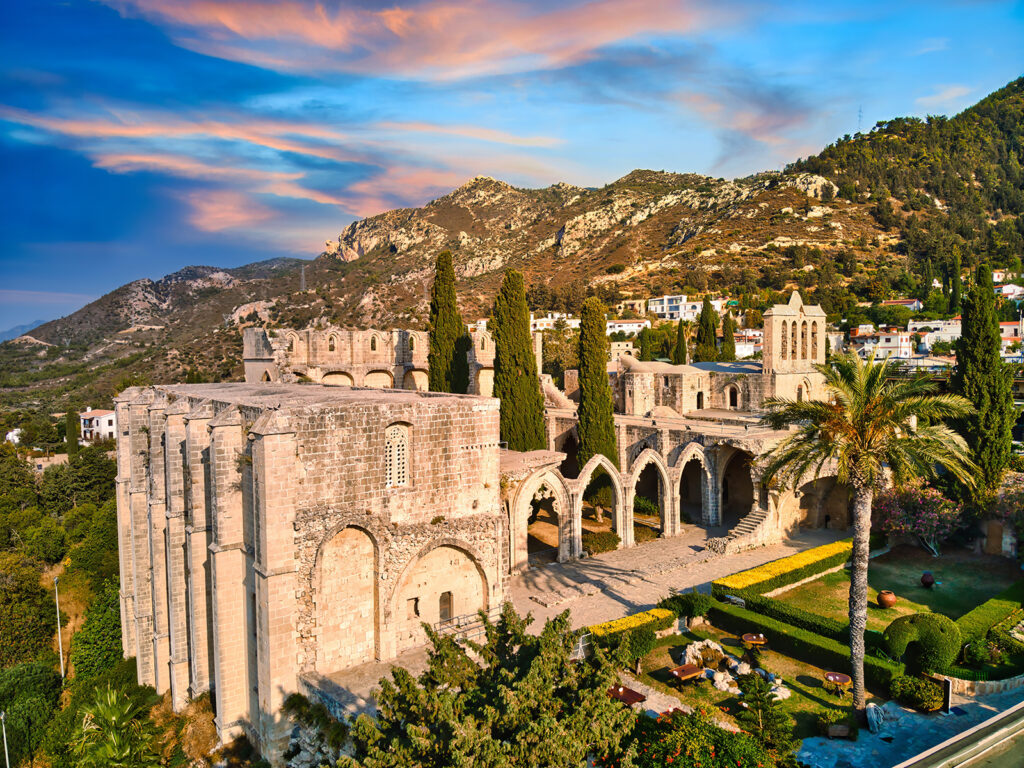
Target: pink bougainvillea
[[917, 510]]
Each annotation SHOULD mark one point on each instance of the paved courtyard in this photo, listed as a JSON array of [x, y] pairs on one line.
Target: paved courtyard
[[616, 584]]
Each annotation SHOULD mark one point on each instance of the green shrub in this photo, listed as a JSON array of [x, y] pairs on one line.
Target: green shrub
[[982, 653], [97, 646], [97, 555], [689, 604], [783, 572], [28, 694], [828, 718], [1000, 634], [603, 541], [802, 644], [47, 541], [975, 624], [27, 620], [646, 507], [916, 692], [642, 533], [637, 643], [798, 617], [937, 639]]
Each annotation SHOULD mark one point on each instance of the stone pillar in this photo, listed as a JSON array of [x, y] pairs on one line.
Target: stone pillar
[[125, 551], [141, 554], [157, 514], [712, 496], [621, 443], [231, 590], [624, 517], [198, 537], [276, 479], [174, 472]]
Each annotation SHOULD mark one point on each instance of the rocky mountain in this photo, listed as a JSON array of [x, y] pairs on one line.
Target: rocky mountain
[[845, 226]]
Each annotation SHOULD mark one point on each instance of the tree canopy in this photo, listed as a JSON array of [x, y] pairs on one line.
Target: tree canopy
[[448, 367], [595, 412]]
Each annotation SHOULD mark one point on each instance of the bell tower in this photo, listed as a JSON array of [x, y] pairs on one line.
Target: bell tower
[[794, 336]]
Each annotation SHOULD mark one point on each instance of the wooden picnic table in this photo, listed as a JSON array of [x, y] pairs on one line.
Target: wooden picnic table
[[626, 695], [686, 672], [838, 678], [752, 640]]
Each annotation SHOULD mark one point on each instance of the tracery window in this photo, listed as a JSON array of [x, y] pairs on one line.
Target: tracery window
[[396, 456]]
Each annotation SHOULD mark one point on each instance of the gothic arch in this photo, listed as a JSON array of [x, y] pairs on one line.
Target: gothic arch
[[333, 343], [803, 340], [794, 341], [647, 457], [569, 527], [695, 452], [623, 526]]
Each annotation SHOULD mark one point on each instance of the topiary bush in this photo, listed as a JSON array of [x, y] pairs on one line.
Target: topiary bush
[[936, 637], [916, 692], [603, 541]]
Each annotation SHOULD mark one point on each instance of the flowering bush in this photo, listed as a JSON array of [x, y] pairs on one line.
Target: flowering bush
[[656, 618], [786, 570], [918, 510]]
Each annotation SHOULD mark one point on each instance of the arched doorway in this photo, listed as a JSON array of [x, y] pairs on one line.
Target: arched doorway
[[734, 398], [337, 379], [601, 507], [418, 597], [651, 502], [543, 527], [737, 488], [346, 601], [379, 380], [691, 492], [415, 379]]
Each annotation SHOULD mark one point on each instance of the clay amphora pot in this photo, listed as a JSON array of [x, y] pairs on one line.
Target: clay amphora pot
[[886, 599]]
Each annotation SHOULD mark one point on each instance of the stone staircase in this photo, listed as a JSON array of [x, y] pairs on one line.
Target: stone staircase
[[748, 524], [743, 536]]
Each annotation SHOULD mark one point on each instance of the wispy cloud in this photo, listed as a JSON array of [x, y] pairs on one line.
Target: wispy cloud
[[945, 95], [472, 132], [437, 39], [932, 45], [14, 296], [214, 210]]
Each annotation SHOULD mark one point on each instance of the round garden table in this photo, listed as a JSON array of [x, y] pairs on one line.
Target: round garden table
[[838, 678], [752, 640]]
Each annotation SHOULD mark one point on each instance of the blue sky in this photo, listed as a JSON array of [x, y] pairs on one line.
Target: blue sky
[[140, 136]]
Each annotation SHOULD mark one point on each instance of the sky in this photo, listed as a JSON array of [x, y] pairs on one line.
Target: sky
[[141, 136]]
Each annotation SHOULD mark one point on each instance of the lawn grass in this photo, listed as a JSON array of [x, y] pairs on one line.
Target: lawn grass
[[809, 698], [963, 580]]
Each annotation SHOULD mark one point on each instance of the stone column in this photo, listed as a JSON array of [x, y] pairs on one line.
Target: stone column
[[712, 496], [125, 550], [141, 554], [231, 591], [158, 544], [198, 537], [174, 472], [276, 481], [624, 517]]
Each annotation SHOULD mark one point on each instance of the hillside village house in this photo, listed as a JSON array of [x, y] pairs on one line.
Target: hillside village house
[[549, 321], [617, 349], [677, 307], [274, 536], [628, 327], [97, 425], [914, 305]]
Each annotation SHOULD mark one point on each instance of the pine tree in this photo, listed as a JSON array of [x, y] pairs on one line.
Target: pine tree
[[515, 368], [448, 366], [763, 717], [707, 334], [596, 423], [72, 424], [679, 352], [981, 376], [728, 350], [954, 285]]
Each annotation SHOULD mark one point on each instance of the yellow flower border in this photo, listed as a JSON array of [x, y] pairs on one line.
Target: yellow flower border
[[653, 616], [776, 568]]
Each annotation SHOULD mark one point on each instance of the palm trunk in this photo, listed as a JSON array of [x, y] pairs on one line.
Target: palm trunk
[[863, 495]]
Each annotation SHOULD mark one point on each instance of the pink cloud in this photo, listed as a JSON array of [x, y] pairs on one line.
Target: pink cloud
[[471, 132], [431, 40], [398, 187], [214, 210]]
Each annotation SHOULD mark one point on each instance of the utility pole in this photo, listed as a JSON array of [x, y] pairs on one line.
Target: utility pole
[[3, 723], [60, 640]]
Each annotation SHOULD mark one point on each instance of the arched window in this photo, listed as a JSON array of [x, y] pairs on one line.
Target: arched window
[[803, 340], [793, 341], [396, 456], [734, 398], [814, 341], [785, 341], [483, 343], [412, 344], [330, 344], [266, 375], [373, 343], [291, 343]]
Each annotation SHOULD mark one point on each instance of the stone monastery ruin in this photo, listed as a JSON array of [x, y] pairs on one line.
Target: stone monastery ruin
[[277, 531]]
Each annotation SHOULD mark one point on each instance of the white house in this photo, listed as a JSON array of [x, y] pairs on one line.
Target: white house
[[1010, 291], [895, 344], [679, 308], [548, 322], [97, 425], [629, 327], [914, 305]]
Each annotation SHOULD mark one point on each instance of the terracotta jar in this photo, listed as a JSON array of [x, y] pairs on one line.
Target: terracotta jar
[[927, 580], [886, 599]]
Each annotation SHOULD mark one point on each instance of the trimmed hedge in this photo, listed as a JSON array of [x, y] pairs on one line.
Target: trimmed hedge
[[798, 617], [785, 571], [976, 624], [803, 644], [926, 695], [603, 541], [656, 619], [1012, 668], [1000, 634], [937, 638]]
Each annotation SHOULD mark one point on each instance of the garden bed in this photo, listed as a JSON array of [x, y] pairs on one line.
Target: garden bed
[[808, 700], [963, 578]]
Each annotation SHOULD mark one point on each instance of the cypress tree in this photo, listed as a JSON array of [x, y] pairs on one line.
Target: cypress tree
[[515, 368], [596, 424], [72, 425], [981, 376], [955, 288], [646, 344], [679, 353], [728, 351], [448, 367], [707, 334]]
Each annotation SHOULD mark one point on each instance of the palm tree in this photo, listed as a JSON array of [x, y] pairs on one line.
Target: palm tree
[[116, 733], [868, 429]]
